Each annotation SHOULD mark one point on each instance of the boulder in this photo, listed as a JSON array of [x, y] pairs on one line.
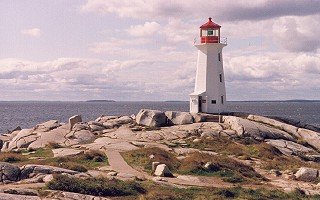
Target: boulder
[[289, 147], [48, 178], [72, 196], [22, 139], [311, 137], [154, 165], [256, 130], [84, 136], [62, 152], [30, 170], [9, 172], [124, 120], [80, 126], [74, 119], [179, 118], [47, 126], [94, 127], [4, 196], [198, 117], [307, 174], [163, 171], [152, 118], [54, 136]]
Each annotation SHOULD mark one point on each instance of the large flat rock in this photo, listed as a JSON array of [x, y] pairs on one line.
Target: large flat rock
[[62, 152]]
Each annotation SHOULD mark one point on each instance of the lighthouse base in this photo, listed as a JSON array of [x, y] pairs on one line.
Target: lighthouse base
[[201, 103]]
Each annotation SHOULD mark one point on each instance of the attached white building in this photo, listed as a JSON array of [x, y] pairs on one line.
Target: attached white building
[[209, 94]]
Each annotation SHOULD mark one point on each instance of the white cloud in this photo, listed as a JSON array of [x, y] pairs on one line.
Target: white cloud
[[32, 32], [147, 29]]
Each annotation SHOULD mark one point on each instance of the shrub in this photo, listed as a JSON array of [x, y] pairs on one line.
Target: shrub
[[94, 155], [53, 145], [95, 186], [11, 157], [141, 157]]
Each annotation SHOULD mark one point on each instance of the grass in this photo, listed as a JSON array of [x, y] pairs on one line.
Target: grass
[[272, 158], [170, 193], [148, 190], [96, 186], [228, 169], [82, 163], [141, 157]]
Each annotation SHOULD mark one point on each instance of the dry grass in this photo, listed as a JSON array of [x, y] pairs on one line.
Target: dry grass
[[141, 157], [11, 157]]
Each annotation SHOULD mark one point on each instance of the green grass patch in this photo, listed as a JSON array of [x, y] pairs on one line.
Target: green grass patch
[[83, 162], [141, 158], [96, 186]]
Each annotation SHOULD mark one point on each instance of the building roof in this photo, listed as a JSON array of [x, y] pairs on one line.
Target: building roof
[[210, 24]]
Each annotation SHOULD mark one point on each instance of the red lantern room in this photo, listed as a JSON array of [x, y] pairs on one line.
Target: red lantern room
[[210, 32]]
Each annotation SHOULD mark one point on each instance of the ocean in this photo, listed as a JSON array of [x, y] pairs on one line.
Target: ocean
[[28, 114]]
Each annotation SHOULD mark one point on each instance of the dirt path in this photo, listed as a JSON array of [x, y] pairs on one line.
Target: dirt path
[[119, 165]]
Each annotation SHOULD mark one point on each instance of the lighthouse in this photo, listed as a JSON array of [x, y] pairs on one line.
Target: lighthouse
[[209, 94]]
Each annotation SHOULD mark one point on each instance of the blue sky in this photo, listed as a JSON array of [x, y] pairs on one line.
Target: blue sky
[[143, 50]]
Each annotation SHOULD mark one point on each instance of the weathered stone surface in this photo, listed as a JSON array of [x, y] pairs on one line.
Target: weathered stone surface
[[152, 118], [154, 165], [311, 137], [4, 196], [124, 120], [163, 171], [95, 127], [62, 152], [47, 178], [27, 171], [289, 147], [20, 191], [74, 119], [80, 126], [258, 131], [47, 126], [54, 136], [22, 139], [9, 172], [83, 136], [74, 196], [178, 118], [198, 117], [307, 174]]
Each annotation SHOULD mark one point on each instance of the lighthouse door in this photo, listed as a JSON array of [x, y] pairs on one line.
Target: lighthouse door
[[200, 104]]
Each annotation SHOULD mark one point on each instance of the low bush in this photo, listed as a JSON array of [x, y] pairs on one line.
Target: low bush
[[141, 157], [11, 157], [94, 155], [95, 186]]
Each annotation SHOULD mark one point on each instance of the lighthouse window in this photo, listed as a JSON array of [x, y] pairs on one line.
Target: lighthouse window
[[219, 56], [220, 76], [213, 101], [221, 99], [210, 32]]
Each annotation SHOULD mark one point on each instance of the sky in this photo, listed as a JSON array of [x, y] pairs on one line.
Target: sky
[[142, 50]]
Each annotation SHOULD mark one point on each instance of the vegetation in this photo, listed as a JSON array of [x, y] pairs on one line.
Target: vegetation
[[229, 169], [82, 163], [247, 149], [151, 191], [95, 186], [11, 157]]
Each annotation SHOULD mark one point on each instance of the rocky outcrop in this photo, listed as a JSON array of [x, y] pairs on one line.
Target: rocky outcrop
[[47, 126], [9, 172], [290, 148], [73, 120], [62, 152], [258, 131], [179, 118], [307, 174], [163, 170], [31, 170], [152, 118]]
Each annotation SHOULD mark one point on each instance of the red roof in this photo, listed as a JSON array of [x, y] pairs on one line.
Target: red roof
[[210, 24]]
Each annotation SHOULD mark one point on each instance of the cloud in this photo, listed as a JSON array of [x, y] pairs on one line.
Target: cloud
[[32, 32], [147, 29], [297, 34], [223, 10]]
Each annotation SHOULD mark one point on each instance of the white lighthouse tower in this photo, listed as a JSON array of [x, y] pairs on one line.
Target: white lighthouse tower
[[209, 94]]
